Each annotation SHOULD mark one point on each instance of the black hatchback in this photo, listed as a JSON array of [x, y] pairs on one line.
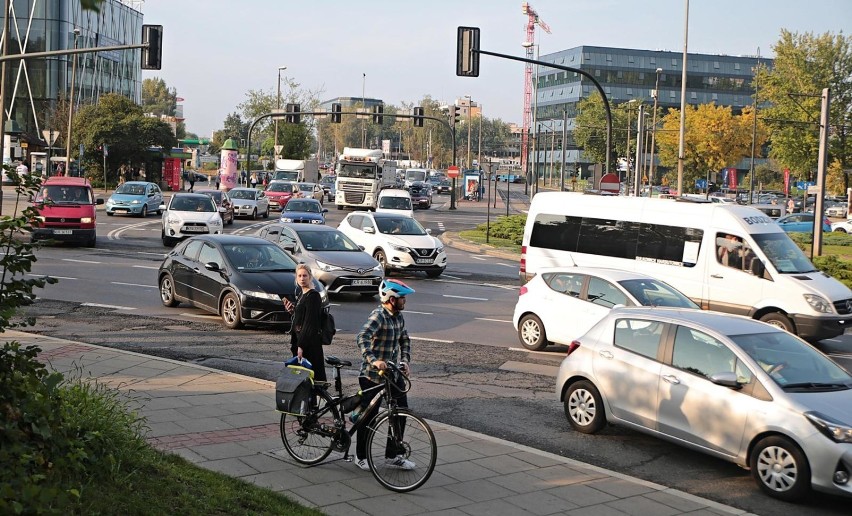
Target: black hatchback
[[242, 279]]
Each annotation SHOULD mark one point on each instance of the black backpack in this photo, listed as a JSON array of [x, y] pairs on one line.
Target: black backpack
[[327, 326]]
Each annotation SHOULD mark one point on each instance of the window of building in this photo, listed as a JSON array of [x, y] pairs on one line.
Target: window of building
[[608, 90], [629, 92], [716, 65], [587, 56], [653, 61], [609, 57], [672, 94], [693, 95], [620, 74], [597, 73], [674, 63], [736, 66], [714, 96], [629, 59]]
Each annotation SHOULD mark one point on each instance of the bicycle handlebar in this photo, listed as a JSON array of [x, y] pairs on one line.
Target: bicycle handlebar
[[397, 371]]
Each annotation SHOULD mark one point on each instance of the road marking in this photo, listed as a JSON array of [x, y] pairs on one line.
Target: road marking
[[432, 340], [545, 353], [133, 284], [201, 316], [115, 234], [507, 265], [55, 277], [491, 320], [161, 255], [451, 277], [482, 256], [420, 313], [145, 267], [115, 307], [465, 297], [477, 257], [78, 261]]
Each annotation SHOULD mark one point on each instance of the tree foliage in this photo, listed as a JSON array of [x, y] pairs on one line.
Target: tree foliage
[[804, 65], [714, 138], [590, 130], [157, 98]]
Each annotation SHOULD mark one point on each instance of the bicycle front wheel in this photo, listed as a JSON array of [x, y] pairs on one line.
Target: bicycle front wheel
[[309, 439], [401, 450]]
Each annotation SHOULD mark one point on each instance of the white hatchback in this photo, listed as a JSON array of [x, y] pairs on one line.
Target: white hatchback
[[398, 242], [561, 303], [190, 214]]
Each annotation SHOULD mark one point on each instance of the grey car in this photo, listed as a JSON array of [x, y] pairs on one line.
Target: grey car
[[726, 385], [249, 202], [335, 260]]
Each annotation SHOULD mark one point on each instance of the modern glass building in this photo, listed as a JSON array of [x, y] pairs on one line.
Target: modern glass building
[[628, 74], [34, 85]]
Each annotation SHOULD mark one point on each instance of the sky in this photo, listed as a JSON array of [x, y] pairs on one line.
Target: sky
[[214, 51]]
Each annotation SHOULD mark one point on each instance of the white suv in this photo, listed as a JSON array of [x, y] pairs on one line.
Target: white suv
[[398, 242], [190, 214]]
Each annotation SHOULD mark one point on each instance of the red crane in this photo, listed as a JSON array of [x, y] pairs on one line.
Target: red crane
[[532, 20]]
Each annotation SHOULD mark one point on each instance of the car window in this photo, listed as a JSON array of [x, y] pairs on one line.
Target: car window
[[192, 248], [733, 252], [604, 293], [701, 354], [210, 254], [651, 292], [366, 222], [287, 237], [400, 225], [639, 336], [568, 284]]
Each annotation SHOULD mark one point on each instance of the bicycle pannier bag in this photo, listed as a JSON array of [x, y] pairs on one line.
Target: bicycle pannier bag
[[293, 390], [327, 327]]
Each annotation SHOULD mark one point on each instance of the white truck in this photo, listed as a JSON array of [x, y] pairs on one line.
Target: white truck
[[361, 175], [298, 170]]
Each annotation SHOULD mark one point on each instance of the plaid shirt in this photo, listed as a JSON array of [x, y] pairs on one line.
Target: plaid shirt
[[383, 337]]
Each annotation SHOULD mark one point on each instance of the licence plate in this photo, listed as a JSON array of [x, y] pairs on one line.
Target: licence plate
[[424, 260], [361, 282], [62, 232], [194, 229]]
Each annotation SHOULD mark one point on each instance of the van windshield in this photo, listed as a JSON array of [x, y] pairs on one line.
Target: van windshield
[[784, 255], [65, 194], [415, 175]]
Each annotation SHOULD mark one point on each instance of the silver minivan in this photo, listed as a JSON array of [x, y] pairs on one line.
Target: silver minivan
[[729, 386]]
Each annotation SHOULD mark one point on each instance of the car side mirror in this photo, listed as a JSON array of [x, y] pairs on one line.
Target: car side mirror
[[726, 379], [290, 248], [325, 210], [99, 201], [163, 207], [369, 230], [212, 266], [428, 231], [361, 247]]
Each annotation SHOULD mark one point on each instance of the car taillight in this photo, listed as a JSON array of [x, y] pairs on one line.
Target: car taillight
[[523, 258], [523, 291], [573, 346]]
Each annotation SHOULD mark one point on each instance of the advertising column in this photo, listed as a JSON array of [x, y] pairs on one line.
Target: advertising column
[[228, 170]]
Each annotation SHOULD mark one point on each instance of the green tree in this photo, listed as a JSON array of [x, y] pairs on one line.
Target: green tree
[[590, 130], [157, 98], [804, 65], [119, 123]]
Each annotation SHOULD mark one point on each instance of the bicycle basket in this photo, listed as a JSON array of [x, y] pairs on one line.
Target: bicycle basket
[[293, 390]]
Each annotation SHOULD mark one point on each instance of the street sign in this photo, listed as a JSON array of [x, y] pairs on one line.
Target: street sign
[[813, 190], [453, 171], [610, 182], [278, 149]]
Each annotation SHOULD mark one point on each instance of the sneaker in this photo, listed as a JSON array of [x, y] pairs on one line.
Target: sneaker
[[401, 462], [362, 463]]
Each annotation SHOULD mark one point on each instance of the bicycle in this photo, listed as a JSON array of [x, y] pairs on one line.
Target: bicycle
[[310, 438]]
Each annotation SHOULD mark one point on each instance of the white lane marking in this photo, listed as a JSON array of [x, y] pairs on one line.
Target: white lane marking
[[163, 255], [508, 265], [545, 353], [115, 234], [491, 320], [432, 340], [55, 277], [78, 261], [477, 257], [133, 284], [483, 256], [116, 307], [466, 297], [201, 316], [145, 267], [420, 313], [452, 277]]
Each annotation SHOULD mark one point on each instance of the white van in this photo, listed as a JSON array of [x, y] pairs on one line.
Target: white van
[[728, 258], [415, 174], [395, 200]]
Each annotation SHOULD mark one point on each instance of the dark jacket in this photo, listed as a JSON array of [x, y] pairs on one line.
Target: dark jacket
[[306, 332]]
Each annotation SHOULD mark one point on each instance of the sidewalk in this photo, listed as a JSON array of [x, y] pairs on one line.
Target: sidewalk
[[227, 423]]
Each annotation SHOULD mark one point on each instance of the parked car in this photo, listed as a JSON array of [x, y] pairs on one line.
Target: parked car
[[421, 194], [328, 185], [444, 187], [308, 211], [398, 242], [836, 210], [726, 385], [280, 192], [137, 198], [801, 222], [240, 278], [844, 226], [249, 202], [222, 200], [312, 191], [561, 303], [335, 260], [189, 214]]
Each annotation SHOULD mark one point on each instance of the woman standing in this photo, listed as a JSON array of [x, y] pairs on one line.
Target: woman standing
[[305, 333]]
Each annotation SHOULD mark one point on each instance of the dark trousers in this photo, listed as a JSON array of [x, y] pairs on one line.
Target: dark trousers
[[391, 450]]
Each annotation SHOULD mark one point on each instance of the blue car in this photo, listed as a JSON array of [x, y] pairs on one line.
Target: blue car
[[801, 223], [306, 211], [138, 198]]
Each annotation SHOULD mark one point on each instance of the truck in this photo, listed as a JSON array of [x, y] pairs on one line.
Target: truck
[[298, 170], [361, 175]]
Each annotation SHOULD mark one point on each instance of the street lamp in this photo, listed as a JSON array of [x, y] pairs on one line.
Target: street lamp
[[364, 107], [468, 131], [278, 106], [627, 152], [71, 107], [528, 44], [654, 130]]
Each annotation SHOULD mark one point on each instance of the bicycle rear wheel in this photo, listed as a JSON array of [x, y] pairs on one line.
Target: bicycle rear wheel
[[309, 439], [401, 450]]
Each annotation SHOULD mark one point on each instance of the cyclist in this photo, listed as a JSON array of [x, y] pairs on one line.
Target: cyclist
[[383, 337]]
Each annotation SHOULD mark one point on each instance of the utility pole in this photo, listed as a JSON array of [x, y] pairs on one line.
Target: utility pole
[[71, 108], [5, 51], [278, 106]]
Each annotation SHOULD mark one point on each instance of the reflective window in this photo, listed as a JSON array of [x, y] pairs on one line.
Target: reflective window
[[701, 354], [640, 337], [210, 254], [604, 293]]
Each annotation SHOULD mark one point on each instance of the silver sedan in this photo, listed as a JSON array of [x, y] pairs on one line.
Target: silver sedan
[[249, 202]]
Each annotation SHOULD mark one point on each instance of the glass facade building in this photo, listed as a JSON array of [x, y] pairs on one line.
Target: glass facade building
[[628, 74], [34, 85]]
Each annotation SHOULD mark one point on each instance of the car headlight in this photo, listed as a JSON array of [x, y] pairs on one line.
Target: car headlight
[[217, 221], [135, 201], [327, 267], [819, 304], [316, 222], [378, 267], [831, 428], [400, 248], [86, 220], [439, 249], [110, 202], [262, 295], [286, 219], [40, 218]]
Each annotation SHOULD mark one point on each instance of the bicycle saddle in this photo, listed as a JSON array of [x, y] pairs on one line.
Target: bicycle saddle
[[336, 362]]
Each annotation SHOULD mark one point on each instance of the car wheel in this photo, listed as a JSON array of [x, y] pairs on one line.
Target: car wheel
[[159, 211], [339, 207], [266, 213], [584, 407], [531, 333], [110, 214], [167, 291], [230, 311], [380, 257], [167, 241], [840, 230], [780, 468], [434, 273], [254, 214], [144, 212], [779, 320], [231, 220]]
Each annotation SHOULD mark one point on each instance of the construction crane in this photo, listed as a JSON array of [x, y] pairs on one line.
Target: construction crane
[[532, 20]]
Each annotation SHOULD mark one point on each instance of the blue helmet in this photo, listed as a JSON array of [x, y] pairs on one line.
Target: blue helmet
[[393, 288]]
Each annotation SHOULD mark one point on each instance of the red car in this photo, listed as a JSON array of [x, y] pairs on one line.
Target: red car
[[279, 192]]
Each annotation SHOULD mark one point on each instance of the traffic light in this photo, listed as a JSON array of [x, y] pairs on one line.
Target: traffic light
[[467, 52], [377, 114], [293, 114], [418, 117], [336, 109], [152, 55], [455, 115]]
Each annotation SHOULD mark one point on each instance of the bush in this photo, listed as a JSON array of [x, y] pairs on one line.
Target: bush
[[839, 269], [508, 228]]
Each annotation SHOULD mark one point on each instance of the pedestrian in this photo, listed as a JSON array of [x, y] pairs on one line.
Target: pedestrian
[[22, 169], [791, 205], [218, 178], [253, 180], [382, 338], [191, 180], [305, 339]]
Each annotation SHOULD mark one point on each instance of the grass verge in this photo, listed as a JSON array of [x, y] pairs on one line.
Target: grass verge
[[478, 237]]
